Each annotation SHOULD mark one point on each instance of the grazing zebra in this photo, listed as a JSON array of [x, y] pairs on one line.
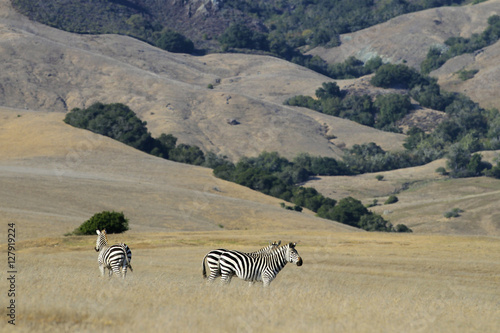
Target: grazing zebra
[[212, 259], [263, 267], [115, 258]]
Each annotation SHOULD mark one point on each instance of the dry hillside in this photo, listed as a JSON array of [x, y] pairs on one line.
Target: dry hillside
[[46, 69], [55, 177], [408, 38], [423, 198]]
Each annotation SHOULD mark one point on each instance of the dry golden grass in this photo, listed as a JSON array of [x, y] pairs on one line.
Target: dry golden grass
[[350, 282]]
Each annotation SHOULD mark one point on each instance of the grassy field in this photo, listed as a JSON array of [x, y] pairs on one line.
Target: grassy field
[[350, 282]]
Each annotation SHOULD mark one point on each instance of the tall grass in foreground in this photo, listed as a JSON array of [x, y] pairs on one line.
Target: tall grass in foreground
[[368, 286]]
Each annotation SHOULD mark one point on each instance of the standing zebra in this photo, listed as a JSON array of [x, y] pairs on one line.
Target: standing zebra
[[212, 258], [115, 258], [263, 267]]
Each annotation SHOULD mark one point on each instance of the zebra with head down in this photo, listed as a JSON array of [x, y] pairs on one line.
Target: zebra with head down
[[264, 267], [212, 260]]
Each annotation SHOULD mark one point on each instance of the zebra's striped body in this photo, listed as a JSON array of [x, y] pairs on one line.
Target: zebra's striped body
[[212, 259], [264, 267], [116, 258]]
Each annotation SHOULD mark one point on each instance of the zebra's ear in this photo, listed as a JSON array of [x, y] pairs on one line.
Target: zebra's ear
[[98, 232], [292, 245]]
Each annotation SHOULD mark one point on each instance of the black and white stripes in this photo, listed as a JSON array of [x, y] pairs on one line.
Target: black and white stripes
[[115, 258], [212, 260], [264, 267]]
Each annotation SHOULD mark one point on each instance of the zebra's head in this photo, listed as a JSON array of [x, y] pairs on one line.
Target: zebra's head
[[292, 255], [102, 240]]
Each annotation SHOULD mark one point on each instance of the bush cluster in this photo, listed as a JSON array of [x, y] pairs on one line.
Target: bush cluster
[[467, 125], [113, 222], [382, 114], [274, 175]]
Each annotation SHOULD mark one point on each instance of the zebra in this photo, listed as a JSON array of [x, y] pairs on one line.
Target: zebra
[[212, 260], [264, 267], [115, 258]]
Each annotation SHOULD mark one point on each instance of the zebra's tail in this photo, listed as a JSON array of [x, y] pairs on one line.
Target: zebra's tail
[[125, 247], [204, 269]]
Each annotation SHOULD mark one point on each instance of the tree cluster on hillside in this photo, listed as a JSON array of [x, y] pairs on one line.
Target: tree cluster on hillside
[[135, 19], [119, 122], [274, 175], [467, 126], [382, 113], [455, 46]]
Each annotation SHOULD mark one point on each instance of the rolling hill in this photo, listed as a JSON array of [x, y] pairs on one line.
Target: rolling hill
[[50, 70], [54, 176]]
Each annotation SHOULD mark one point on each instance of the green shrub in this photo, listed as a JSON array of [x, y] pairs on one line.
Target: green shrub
[[442, 171], [392, 199], [173, 41], [349, 211], [465, 75], [113, 222], [455, 212], [374, 222], [402, 228]]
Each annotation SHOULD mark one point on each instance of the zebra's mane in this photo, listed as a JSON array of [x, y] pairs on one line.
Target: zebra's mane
[[276, 249], [105, 236], [282, 247]]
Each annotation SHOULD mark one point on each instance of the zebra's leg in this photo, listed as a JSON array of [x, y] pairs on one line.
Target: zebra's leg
[[116, 271], [214, 273], [124, 271], [267, 278], [225, 279], [102, 269]]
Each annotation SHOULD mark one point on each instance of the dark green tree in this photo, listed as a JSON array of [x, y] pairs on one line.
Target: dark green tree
[[374, 222], [391, 108], [113, 222], [349, 211], [173, 41]]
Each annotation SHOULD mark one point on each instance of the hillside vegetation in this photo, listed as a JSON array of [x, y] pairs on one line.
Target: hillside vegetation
[[285, 25]]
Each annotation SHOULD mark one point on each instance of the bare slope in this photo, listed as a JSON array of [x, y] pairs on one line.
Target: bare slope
[[53, 177], [484, 86], [408, 38], [46, 69]]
